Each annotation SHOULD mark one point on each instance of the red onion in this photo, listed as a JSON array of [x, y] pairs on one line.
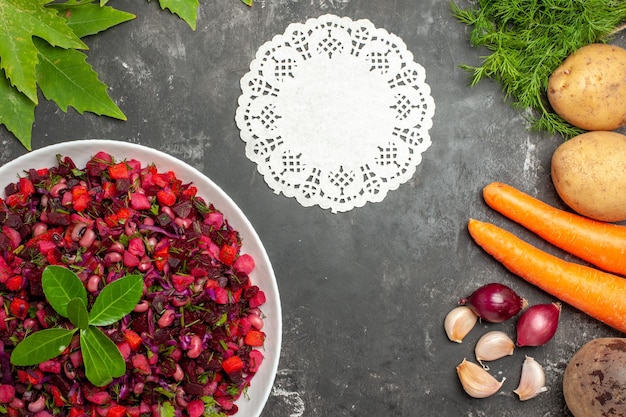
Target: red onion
[[494, 302], [537, 325]]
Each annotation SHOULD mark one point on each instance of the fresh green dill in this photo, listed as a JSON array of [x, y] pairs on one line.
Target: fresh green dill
[[527, 40]]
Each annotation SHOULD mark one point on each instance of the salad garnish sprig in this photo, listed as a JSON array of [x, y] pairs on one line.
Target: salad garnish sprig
[[67, 295]]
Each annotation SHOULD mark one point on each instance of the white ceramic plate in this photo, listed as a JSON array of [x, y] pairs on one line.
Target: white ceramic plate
[[80, 151]]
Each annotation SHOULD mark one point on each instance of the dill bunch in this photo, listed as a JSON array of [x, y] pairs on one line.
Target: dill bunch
[[528, 39]]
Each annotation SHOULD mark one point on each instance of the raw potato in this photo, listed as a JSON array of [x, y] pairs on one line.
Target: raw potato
[[589, 174], [588, 89], [594, 383]]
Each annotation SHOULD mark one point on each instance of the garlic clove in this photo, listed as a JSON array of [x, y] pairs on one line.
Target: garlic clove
[[533, 380], [476, 381], [459, 322], [493, 345]]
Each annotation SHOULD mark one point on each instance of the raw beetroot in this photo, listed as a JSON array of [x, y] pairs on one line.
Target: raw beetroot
[[192, 341]]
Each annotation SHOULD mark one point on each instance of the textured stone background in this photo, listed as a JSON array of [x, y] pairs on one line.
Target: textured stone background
[[364, 293]]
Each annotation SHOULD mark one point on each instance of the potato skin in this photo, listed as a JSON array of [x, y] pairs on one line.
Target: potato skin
[[588, 89], [594, 382], [589, 174]]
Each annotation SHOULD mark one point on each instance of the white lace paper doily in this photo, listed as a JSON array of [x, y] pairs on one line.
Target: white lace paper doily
[[335, 112]]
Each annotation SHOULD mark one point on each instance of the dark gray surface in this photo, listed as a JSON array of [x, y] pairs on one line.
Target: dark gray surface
[[364, 293]]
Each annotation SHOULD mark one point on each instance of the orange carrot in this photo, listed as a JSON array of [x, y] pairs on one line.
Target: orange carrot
[[597, 293], [601, 244]]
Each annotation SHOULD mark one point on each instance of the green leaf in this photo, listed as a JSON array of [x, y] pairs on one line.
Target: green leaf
[[61, 286], [65, 77], [185, 9], [103, 360], [167, 410], [41, 346], [116, 300], [77, 313], [17, 112], [90, 18], [247, 2], [21, 20]]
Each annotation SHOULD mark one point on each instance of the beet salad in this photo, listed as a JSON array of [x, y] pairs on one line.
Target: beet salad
[[73, 243]]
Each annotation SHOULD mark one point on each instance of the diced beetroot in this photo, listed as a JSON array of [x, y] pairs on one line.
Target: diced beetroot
[[220, 295], [26, 186], [19, 308], [15, 283], [140, 364], [195, 408], [182, 282], [124, 349], [137, 247], [98, 163], [5, 270], [3, 319], [257, 299], [139, 201], [7, 393], [116, 411], [130, 260], [108, 189], [76, 358], [46, 245], [51, 366], [41, 318], [255, 360], [99, 397], [244, 263], [13, 235]]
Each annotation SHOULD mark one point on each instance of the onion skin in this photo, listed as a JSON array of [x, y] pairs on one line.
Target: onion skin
[[538, 324], [494, 302]]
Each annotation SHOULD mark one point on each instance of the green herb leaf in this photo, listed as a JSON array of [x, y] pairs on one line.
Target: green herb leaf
[[77, 313], [41, 346], [185, 9], [65, 77], [90, 18], [61, 286], [103, 360], [21, 20], [527, 40], [116, 300], [167, 410], [17, 112]]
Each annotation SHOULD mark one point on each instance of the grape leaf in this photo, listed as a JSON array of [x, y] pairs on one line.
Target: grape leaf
[[185, 9], [65, 77], [41, 346], [17, 112], [102, 358], [116, 300], [21, 20], [90, 18], [61, 286]]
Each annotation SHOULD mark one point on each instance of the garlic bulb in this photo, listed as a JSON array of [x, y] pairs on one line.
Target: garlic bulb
[[476, 381], [532, 381], [493, 345], [459, 322]]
